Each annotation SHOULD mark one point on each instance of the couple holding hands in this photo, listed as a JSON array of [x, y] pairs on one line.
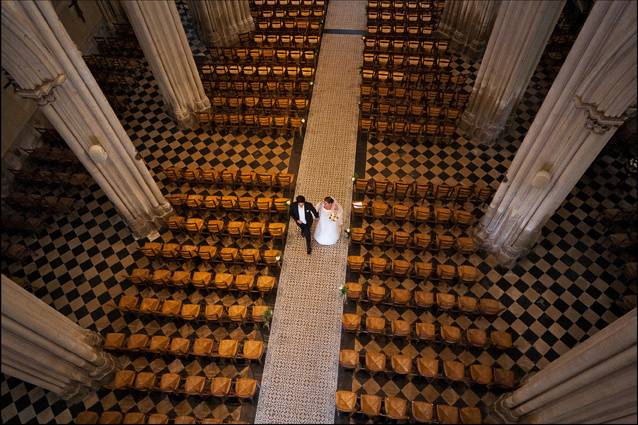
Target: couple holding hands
[[329, 213]]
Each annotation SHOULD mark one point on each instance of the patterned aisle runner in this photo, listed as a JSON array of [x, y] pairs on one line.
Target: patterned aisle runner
[[300, 373]]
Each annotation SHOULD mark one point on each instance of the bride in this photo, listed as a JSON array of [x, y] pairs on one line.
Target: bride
[[330, 221]]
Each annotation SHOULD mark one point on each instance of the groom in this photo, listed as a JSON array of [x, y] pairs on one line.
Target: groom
[[303, 213]]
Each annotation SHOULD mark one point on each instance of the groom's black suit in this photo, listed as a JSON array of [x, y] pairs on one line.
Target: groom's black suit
[[310, 215]]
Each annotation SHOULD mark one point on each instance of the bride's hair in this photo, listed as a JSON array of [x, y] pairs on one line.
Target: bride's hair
[[328, 199]]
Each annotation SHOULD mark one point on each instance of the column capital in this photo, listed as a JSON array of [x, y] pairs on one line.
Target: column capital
[[44, 92], [597, 121]]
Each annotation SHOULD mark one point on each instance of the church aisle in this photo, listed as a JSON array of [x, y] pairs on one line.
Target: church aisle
[[300, 373]]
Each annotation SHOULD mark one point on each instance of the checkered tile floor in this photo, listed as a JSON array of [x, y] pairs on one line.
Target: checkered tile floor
[[561, 293], [80, 265]]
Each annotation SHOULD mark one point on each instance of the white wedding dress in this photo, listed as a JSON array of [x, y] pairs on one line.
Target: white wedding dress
[[327, 231]]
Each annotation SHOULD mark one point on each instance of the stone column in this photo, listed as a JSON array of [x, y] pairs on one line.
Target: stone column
[[159, 30], [516, 44], [593, 94], [113, 12], [48, 67], [594, 382], [45, 348], [219, 22], [467, 24]]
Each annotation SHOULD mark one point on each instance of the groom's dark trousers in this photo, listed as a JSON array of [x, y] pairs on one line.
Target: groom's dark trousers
[[310, 215]]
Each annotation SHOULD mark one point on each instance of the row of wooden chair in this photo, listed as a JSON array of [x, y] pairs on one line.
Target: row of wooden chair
[[22, 224], [422, 190], [257, 73], [385, 127], [266, 4], [309, 21], [243, 204], [271, 124], [45, 203], [404, 78], [399, 62], [389, 17], [115, 417], [407, 5], [403, 31], [57, 178], [291, 13], [409, 112], [419, 270], [420, 299], [439, 94], [219, 387], [243, 282], [270, 87], [427, 367], [417, 214], [260, 55], [304, 36], [233, 229], [399, 239], [446, 334], [116, 64], [396, 409], [266, 104], [250, 350], [232, 178], [428, 47], [235, 313], [210, 254]]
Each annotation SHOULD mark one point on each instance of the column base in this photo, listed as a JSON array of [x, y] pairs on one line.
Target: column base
[[149, 227], [480, 133], [499, 413]]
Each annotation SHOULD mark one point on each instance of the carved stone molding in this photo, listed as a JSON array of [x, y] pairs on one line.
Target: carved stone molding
[[596, 121], [43, 93]]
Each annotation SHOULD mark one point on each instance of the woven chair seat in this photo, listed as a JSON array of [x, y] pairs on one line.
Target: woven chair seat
[[179, 345], [445, 301], [396, 408], [123, 379], [348, 358], [375, 324], [149, 305], [184, 420], [253, 349], [265, 283], [400, 327], [171, 307], [467, 304], [424, 298], [245, 387], [401, 364], [454, 370], [169, 382], [481, 374], [244, 282], [376, 293], [451, 334], [351, 321], [194, 384], [237, 313], [157, 419], [489, 306], [203, 346], [447, 414], [110, 417], [476, 337], [422, 411], [501, 339], [259, 313], [375, 361], [470, 415], [423, 270], [114, 341], [371, 405], [159, 344], [144, 381], [401, 295], [190, 311], [353, 290], [228, 348], [425, 331], [223, 280], [504, 378], [346, 401], [137, 342], [428, 367], [214, 311], [220, 386], [180, 278]]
